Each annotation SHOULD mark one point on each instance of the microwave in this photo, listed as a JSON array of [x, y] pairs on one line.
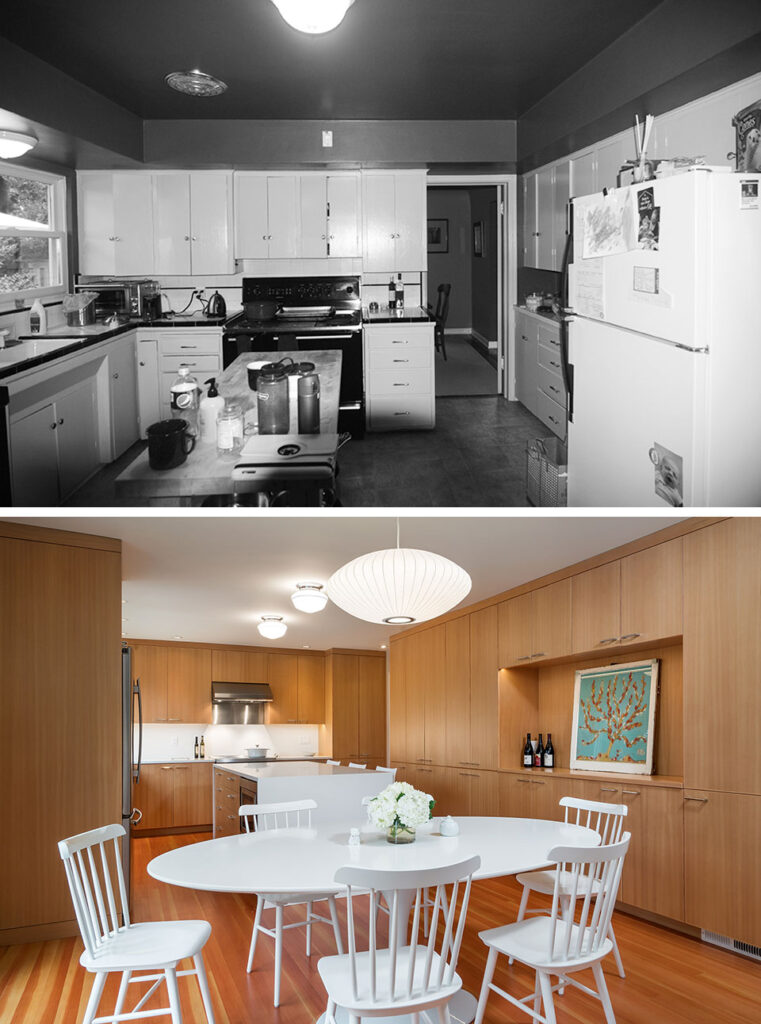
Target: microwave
[[132, 299]]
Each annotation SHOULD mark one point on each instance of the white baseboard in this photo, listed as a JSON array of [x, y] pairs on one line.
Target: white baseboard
[[458, 330], [484, 341]]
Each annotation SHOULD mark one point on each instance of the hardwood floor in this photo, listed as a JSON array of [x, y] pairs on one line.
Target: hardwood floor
[[670, 977]]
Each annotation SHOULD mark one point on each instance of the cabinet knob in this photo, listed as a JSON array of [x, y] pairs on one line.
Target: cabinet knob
[[116, 376], [60, 422], [193, 238], [187, 238], [141, 364], [53, 426], [323, 237]]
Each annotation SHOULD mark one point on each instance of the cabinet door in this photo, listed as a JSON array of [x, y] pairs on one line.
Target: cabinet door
[[379, 212], [188, 685], [722, 837], [551, 621], [596, 597], [653, 876], [251, 217], [415, 691], [561, 196], [211, 223], [583, 175], [527, 363], [314, 217], [148, 399], [123, 395], [530, 228], [410, 211], [651, 593], [283, 678], [372, 707], [171, 197], [239, 666], [433, 644], [311, 689], [484, 688], [546, 794], [149, 668], [133, 224], [154, 796], [515, 636], [397, 720], [284, 231], [343, 216], [545, 216], [514, 796], [610, 157], [455, 792], [192, 795], [457, 685], [95, 222], [484, 794], [77, 433], [34, 458]]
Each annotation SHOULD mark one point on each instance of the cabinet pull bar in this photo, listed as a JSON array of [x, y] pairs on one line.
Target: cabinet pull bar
[[524, 657], [630, 636], [607, 789], [166, 767], [537, 782], [630, 792], [523, 780], [609, 640], [539, 654], [698, 799]]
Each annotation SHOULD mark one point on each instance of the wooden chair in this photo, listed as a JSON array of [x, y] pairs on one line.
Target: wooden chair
[[126, 948], [289, 814], [608, 820], [556, 944], [440, 315], [408, 977], [353, 764]]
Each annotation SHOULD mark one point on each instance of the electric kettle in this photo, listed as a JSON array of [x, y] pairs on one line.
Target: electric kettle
[[216, 306]]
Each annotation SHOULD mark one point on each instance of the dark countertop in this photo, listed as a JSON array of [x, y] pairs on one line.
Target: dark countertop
[[544, 314], [409, 315]]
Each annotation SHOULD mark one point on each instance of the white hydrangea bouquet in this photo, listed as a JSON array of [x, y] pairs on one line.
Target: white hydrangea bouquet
[[399, 809]]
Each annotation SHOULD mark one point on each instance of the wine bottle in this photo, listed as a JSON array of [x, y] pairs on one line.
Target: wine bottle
[[399, 294], [195, 748], [392, 294], [203, 747], [549, 753], [528, 753], [539, 754]]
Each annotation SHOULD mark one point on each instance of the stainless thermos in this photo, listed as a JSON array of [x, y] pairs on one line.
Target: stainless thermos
[[309, 404]]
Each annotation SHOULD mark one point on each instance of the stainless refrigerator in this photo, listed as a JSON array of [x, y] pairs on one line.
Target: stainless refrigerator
[[132, 729]]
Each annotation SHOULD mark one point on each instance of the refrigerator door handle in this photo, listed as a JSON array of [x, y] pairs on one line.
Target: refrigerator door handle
[[136, 820], [139, 729], [566, 367]]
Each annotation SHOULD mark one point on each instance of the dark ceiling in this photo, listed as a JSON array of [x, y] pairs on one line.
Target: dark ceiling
[[389, 60]]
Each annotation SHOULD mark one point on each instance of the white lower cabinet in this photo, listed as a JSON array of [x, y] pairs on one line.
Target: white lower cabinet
[[539, 383], [122, 384], [148, 402], [160, 354], [400, 376]]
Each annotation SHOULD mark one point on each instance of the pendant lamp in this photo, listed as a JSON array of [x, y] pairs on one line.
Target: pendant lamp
[[398, 586], [313, 16]]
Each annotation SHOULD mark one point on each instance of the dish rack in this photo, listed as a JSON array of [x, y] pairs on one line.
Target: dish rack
[[547, 473]]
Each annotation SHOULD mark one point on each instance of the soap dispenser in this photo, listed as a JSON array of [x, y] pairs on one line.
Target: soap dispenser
[[208, 411]]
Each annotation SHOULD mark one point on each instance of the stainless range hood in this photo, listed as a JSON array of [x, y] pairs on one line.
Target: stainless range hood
[[239, 703]]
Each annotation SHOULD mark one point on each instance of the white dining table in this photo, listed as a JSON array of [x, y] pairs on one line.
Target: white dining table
[[304, 860]]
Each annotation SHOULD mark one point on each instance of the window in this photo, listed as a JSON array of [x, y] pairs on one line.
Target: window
[[32, 233]]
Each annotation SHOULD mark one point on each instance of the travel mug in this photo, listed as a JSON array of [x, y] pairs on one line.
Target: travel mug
[[169, 444]]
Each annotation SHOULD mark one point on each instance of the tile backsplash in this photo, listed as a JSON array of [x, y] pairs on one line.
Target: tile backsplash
[[164, 742]]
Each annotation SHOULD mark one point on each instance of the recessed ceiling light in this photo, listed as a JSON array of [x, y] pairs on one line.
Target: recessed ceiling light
[[306, 647], [383, 647], [272, 627], [13, 144], [178, 637], [309, 597], [195, 83], [124, 601]]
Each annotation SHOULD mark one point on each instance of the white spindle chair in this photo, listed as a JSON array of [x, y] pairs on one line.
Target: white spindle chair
[[113, 944], [267, 817], [408, 977], [556, 944], [336, 764], [353, 764], [608, 821], [389, 771]]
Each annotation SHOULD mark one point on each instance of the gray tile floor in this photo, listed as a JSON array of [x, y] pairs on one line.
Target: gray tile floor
[[476, 456]]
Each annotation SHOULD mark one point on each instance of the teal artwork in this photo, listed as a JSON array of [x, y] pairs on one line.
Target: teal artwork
[[614, 717]]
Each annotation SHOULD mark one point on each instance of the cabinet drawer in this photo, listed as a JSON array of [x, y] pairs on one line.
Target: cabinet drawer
[[551, 384], [551, 413], [400, 382], [179, 343], [399, 337], [526, 327], [548, 334], [410, 357], [403, 413], [549, 358], [197, 364]]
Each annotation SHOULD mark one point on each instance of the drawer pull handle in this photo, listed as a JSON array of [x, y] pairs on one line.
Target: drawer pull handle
[[630, 636], [468, 775], [553, 363], [539, 654], [524, 657], [401, 414], [553, 388], [697, 799], [399, 342], [607, 789], [630, 792], [553, 420], [609, 640], [523, 780], [402, 385], [537, 782], [401, 360]]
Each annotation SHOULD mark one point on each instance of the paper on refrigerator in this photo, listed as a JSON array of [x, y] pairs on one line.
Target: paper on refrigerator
[[608, 225], [587, 281]]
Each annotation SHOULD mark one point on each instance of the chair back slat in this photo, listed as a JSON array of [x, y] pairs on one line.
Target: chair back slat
[[109, 889], [269, 817], [88, 871], [415, 929]]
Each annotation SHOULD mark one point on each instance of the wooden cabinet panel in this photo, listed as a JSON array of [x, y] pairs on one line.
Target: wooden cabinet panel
[[397, 721], [551, 621], [722, 653], [484, 688], [484, 794], [514, 796], [311, 689], [596, 597], [722, 837], [283, 678], [415, 662], [433, 654], [188, 685], [546, 794], [345, 697], [154, 796], [457, 691], [651, 593], [604, 791], [239, 666], [455, 792], [515, 631], [372, 707], [653, 876], [192, 794], [149, 666]]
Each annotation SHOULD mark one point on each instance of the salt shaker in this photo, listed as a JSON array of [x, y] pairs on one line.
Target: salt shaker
[[354, 837]]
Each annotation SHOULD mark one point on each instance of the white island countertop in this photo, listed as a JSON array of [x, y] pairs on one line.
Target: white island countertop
[[294, 770]]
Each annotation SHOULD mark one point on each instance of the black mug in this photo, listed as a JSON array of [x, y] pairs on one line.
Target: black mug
[[169, 443]]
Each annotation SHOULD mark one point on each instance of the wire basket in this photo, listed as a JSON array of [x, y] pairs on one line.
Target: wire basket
[[547, 473]]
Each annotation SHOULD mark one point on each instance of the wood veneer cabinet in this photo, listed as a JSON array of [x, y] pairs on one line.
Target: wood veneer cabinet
[[397, 719], [535, 626], [173, 796], [484, 689], [175, 683], [239, 666], [298, 688], [357, 687], [653, 875]]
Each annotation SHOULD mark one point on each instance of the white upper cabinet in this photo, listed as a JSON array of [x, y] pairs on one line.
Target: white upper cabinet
[[267, 216], [115, 224], [545, 199], [193, 214], [284, 221], [610, 157], [584, 175], [314, 216], [394, 209], [172, 216], [530, 229], [545, 217], [560, 219], [343, 215]]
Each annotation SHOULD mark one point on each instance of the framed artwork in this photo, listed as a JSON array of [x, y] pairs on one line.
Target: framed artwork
[[438, 235], [478, 238], [614, 718]]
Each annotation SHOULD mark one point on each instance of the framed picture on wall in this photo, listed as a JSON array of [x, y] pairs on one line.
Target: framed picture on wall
[[478, 238], [438, 235]]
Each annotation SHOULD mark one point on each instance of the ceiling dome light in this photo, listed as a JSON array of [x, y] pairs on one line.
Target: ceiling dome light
[[313, 16], [398, 586], [195, 83], [309, 597], [272, 627], [13, 144]]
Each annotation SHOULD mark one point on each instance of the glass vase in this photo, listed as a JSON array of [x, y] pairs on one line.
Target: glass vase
[[400, 834]]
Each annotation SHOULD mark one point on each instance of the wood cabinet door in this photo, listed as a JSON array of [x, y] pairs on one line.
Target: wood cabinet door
[[432, 666], [515, 634], [484, 794], [311, 689], [722, 653], [551, 621], [722, 837], [442, 784], [515, 796], [239, 666], [546, 794], [457, 687], [653, 875], [415, 667], [149, 668], [602, 790], [189, 685], [283, 678], [122, 368], [455, 792], [484, 688], [171, 196], [154, 796], [651, 593], [345, 672], [372, 707], [192, 794], [211, 222], [596, 604]]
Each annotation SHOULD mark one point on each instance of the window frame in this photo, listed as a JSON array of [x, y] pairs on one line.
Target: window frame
[[57, 230]]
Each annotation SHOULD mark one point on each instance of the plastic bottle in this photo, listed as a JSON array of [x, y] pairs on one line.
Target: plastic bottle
[[184, 391], [38, 318], [208, 411], [230, 428]]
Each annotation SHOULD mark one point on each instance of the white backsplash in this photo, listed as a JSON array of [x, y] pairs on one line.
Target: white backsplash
[[164, 742]]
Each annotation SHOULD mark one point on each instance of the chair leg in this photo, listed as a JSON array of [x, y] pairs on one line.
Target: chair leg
[[443, 347], [537, 996], [278, 952], [616, 954], [254, 933], [522, 909], [174, 995], [122, 993], [330, 1012], [336, 926], [309, 929], [491, 963], [95, 993], [203, 984], [545, 982], [443, 1014], [602, 988]]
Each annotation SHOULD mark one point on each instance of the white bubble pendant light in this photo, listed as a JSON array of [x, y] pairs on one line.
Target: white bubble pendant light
[[398, 585], [313, 16]]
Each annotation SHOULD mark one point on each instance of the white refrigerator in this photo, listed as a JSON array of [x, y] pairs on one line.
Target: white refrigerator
[[664, 344]]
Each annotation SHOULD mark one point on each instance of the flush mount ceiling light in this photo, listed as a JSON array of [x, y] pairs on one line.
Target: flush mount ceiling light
[[195, 83], [13, 144], [272, 627], [313, 16], [398, 586], [309, 597]]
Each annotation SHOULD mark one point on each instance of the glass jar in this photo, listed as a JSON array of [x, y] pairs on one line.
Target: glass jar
[[230, 428], [399, 833], [272, 399]]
